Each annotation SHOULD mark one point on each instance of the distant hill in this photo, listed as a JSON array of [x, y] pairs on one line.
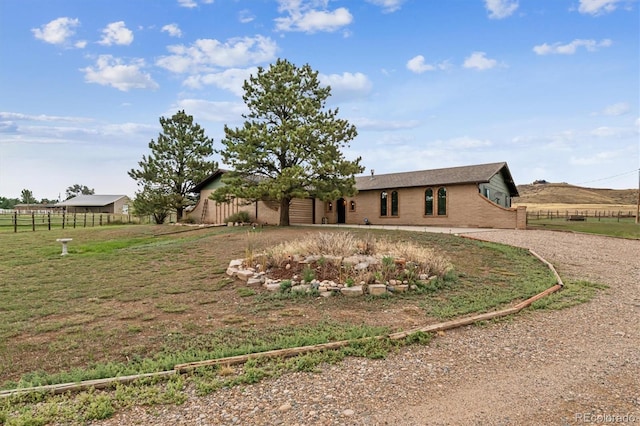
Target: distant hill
[[545, 193]]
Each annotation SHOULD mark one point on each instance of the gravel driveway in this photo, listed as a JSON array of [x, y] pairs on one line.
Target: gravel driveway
[[573, 366]]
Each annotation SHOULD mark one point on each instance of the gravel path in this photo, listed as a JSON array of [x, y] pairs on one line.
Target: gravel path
[[574, 366]]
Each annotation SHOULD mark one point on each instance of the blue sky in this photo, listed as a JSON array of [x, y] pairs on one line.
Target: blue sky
[[550, 86]]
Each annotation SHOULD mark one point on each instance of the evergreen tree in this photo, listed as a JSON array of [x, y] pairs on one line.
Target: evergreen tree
[[290, 144], [179, 160]]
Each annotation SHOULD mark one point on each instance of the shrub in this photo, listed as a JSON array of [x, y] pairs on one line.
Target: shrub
[[285, 286], [239, 217]]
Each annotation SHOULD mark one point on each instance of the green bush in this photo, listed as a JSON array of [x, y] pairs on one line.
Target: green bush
[[239, 217]]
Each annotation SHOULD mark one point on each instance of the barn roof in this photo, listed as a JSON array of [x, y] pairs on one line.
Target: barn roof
[[90, 200]]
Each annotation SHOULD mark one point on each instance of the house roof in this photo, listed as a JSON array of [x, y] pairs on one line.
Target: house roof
[[208, 180], [476, 174], [481, 173], [90, 200]]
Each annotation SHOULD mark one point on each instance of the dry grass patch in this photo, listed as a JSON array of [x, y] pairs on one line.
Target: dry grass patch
[[333, 247]]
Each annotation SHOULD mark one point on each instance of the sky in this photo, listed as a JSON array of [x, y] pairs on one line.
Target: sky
[[549, 86]]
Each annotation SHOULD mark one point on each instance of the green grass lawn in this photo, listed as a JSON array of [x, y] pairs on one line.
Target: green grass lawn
[[134, 299], [622, 228]]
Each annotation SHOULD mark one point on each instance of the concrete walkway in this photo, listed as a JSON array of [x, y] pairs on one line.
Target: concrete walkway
[[435, 229]]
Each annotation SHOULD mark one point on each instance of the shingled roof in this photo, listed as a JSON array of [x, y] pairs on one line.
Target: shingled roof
[[481, 173]]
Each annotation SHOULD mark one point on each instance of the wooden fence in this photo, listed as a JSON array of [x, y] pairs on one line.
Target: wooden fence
[[565, 214], [33, 221]]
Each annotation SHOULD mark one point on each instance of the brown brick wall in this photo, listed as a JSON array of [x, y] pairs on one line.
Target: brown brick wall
[[465, 208]]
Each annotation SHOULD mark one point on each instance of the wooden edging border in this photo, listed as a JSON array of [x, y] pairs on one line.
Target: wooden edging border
[[289, 352]]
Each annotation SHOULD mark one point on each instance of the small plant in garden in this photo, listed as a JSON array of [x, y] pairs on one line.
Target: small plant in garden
[[410, 273], [349, 282], [388, 267], [285, 286], [308, 274]]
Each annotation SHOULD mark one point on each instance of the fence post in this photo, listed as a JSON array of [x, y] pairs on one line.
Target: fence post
[[33, 221], [100, 220], [64, 213], [15, 221], [93, 220], [49, 220], [85, 220]]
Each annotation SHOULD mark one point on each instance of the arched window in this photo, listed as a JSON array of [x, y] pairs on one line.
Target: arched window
[[394, 203], [428, 202], [442, 202], [383, 203]]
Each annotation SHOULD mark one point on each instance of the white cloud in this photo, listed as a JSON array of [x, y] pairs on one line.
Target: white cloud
[[383, 125], [231, 79], [245, 16], [346, 85], [56, 31], [479, 61], [41, 117], [218, 112], [80, 44], [604, 132], [192, 3], [116, 33], [418, 66], [597, 7], [173, 30], [570, 48], [598, 158], [127, 129], [110, 71], [303, 17], [466, 142], [499, 9], [208, 54], [388, 6], [617, 109]]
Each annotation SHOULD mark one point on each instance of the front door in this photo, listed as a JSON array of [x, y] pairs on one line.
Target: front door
[[342, 210]]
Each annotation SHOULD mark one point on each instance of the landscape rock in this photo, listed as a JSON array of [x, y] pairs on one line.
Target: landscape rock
[[352, 291], [377, 289]]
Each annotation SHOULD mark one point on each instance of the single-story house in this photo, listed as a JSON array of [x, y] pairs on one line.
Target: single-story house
[[114, 204], [467, 196]]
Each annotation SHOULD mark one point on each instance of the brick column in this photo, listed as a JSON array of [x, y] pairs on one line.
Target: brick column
[[521, 217]]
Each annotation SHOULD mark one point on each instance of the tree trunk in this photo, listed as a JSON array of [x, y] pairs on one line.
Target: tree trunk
[[179, 212], [284, 211]]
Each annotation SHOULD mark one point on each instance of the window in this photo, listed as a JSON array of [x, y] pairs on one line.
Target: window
[[352, 206], [394, 203], [442, 202], [383, 203], [428, 202]]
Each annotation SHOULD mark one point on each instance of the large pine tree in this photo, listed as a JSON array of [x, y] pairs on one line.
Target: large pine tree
[[179, 159], [290, 144]]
